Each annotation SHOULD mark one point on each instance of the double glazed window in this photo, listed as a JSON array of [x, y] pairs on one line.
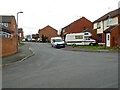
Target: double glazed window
[[109, 22], [98, 25], [4, 24], [99, 37], [4, 35]]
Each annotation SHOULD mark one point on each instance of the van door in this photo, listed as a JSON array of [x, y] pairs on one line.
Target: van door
[[108, 39]]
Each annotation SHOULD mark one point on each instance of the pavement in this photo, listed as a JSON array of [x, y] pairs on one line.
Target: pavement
[[89, 50], [23, 53], [57, 68]]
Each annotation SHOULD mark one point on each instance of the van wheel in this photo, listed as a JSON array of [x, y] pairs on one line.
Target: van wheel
[[91, 44]]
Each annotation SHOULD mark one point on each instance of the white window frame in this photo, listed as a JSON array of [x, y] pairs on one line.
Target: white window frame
[[4, 35]]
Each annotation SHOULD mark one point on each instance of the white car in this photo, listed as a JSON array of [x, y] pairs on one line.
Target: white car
[[23, 40], [57, 42]]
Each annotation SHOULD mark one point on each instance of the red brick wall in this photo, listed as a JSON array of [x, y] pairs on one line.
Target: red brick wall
[[8, 46], [78, 26], [115, 35], [48, 31], [94, 34]]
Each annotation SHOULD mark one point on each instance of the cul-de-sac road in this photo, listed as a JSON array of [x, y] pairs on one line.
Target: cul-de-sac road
[[57, 68]]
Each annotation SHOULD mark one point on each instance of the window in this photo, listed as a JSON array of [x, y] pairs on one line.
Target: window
[[79, 37], [4, 24], [20, 34], [5, 35], [13, 26], [109, 21], [99, 37], [84, 28], [98, 25], [86, 34]]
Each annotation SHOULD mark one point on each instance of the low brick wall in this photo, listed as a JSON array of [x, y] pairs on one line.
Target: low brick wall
[[8, 46]]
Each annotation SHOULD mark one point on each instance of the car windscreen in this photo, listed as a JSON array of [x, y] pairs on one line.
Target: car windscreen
[[58, 40]]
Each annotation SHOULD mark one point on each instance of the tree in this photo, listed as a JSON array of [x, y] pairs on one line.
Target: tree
[[44, 38]]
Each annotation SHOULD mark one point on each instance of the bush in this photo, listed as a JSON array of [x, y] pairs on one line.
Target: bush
[[44, 38]]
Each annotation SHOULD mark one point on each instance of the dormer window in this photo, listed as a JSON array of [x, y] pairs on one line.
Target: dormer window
[[98, 25]]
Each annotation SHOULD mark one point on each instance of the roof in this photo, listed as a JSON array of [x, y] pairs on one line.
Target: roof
[[5, 29], [75, 21], [110, 28], [6, 19], [111, 14], [46, 27]]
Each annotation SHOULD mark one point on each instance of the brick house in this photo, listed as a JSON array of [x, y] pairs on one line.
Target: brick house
[[76, 27], [8, 35], [108, 29], [35, 36], [49, 32], [20, 34]]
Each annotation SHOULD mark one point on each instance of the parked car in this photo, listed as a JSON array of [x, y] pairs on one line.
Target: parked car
[[57, 42], [23, 40], [33, 40], [39, 39]]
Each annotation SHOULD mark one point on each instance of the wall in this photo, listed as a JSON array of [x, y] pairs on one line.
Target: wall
[[94, 34], [8, 46], [114, 41], [49, 32]]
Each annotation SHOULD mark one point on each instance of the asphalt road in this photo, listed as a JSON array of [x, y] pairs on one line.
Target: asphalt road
[[56, 68]]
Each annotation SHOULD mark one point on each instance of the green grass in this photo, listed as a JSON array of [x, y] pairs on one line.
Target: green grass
[[95, 47], [21, 44]]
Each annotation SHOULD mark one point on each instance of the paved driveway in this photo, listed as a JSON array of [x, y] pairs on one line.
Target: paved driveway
[[56, 68]]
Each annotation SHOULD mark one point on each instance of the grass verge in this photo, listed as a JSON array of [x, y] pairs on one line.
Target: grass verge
[[21, 44], [95, 47]]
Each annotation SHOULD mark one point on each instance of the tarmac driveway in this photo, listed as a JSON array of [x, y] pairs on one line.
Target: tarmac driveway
[[56, 68]]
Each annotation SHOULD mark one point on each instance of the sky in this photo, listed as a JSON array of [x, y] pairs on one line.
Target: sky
[[56, 13]]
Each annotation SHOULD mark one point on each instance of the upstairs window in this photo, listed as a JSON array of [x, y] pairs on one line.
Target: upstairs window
[[109, 22], [98, 25], [84, 28]]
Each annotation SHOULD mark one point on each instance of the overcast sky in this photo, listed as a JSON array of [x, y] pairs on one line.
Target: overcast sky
[[56, 13]]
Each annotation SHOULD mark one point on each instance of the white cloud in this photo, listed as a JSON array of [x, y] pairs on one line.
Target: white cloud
[[57, 13]]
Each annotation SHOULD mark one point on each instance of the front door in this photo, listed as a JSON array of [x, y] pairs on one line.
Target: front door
[[108, 39]]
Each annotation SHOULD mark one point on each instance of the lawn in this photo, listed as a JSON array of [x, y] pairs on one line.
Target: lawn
[[21, 44]]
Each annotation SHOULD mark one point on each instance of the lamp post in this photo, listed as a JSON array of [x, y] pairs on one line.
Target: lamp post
[[17, 29]]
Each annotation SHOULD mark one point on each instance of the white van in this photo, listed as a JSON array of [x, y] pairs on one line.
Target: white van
[[57, 42], [80, 39]]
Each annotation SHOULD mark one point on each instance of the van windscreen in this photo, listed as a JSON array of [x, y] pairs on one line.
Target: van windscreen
[[58, 40]]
